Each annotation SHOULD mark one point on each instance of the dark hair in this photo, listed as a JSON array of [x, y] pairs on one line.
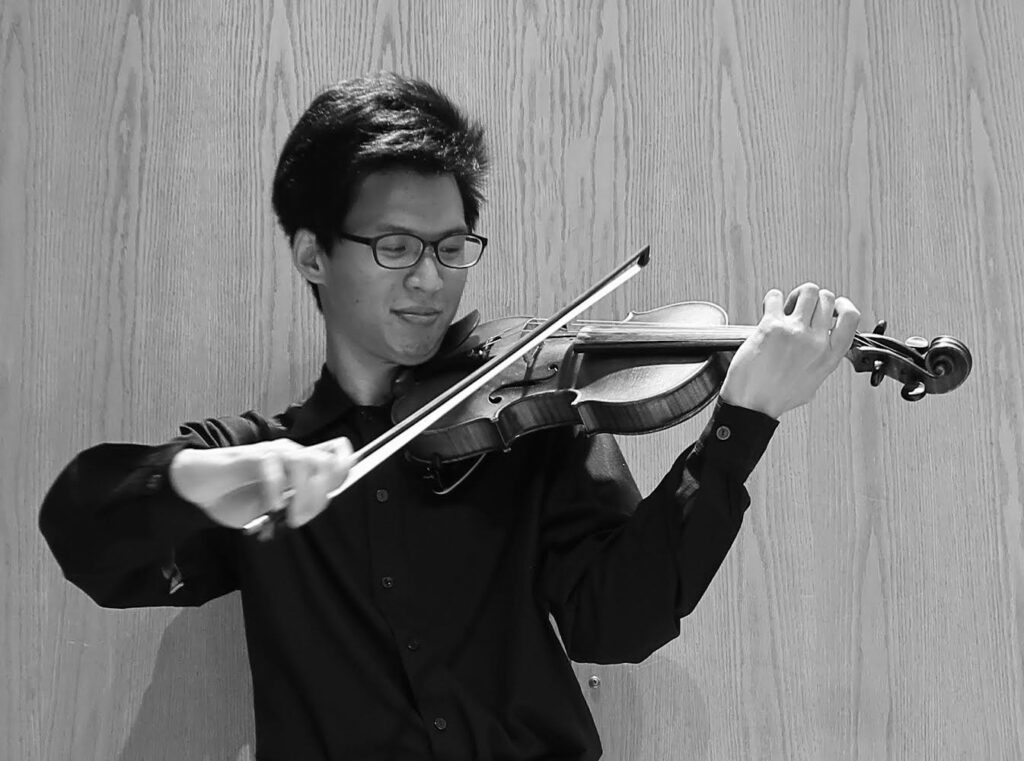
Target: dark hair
[[370, 124]]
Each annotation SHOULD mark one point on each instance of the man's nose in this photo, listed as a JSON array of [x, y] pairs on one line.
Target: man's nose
[[426, 275]]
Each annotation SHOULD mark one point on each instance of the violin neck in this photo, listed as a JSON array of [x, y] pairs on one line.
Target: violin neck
[[667, 339]]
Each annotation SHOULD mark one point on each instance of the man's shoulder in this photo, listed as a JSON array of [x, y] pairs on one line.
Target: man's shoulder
[[248, 427]]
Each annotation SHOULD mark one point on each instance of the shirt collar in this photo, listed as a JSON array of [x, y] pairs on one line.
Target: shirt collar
[[325, 405]]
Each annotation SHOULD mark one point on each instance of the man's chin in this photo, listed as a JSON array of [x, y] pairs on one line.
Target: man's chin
[[411, 356], [414, 347]]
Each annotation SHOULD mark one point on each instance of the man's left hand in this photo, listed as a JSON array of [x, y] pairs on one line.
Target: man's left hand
[[796, 345]]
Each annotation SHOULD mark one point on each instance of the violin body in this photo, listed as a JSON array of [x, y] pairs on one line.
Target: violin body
[[642, 388]]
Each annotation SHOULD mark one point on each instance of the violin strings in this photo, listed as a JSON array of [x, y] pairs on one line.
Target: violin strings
[[662, 326], [626, 325], [640, 323], [655, 329], [668, 329]]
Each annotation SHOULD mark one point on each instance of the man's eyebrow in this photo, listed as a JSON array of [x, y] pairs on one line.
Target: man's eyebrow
[[383, 227]]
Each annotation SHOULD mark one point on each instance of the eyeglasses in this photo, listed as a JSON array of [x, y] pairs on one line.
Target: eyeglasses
[[399, 251]]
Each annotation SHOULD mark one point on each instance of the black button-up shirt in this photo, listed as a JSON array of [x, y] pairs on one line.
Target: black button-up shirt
[[405, 624]]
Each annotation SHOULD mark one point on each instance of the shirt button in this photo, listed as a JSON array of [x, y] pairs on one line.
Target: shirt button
[[723, 432], [382, 495], [413, 644], [154, 481], [387, 582], [440, 724]]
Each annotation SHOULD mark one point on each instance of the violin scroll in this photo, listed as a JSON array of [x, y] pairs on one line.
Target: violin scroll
[[923, 367]]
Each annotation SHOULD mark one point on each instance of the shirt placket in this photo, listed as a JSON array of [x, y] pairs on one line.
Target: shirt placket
[[398, 593]]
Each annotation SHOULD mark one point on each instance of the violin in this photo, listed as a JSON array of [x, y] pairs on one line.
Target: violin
[[494, 382], [648, 372]]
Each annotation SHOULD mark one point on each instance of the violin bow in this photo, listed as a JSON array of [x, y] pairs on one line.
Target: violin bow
[[384, 446]]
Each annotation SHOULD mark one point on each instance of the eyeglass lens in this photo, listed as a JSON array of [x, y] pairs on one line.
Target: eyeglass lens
[[403, 250]]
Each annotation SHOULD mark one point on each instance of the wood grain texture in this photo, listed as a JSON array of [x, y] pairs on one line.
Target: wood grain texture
[[873, 605]]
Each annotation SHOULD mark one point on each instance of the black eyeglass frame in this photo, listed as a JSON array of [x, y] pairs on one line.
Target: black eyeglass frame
[[372, 243]]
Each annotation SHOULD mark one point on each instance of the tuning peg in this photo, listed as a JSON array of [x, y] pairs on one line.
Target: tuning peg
[[880, 328], [913, 392], [916, 342], [878, 374]]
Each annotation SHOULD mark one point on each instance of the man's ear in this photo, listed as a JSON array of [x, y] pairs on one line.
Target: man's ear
[[309, 257]]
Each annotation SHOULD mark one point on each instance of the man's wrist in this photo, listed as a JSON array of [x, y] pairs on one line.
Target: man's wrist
[[751, 404], [179, 470]]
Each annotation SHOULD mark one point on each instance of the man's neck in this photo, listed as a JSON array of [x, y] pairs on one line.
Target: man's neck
[[365, 384]]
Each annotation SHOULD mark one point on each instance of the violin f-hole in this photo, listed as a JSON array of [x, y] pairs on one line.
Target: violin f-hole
[[493, 397]]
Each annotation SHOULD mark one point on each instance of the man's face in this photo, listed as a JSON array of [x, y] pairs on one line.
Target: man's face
[[394, 317]]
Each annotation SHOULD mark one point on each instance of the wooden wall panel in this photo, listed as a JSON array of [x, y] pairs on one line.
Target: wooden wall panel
[[873, 606]]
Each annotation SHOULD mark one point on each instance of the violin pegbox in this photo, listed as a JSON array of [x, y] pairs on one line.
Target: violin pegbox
[[922, 366]]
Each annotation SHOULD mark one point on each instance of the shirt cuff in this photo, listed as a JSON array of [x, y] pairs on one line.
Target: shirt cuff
[[733, 441], [172, 518]]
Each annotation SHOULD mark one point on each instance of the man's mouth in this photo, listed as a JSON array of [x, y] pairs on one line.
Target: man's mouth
[[418, 316]]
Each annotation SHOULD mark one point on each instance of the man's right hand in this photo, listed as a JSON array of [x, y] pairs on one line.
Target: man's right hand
[[235, 485]]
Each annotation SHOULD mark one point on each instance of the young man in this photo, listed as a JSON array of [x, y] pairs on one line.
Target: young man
[[402, 620]]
